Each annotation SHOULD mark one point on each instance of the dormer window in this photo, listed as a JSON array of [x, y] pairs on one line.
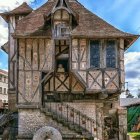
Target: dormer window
[[61, 30], [61, 15], [61, 23]]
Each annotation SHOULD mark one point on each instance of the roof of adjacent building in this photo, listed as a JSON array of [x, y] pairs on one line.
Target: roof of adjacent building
[[5, 47], [3, 72], [126, 102], [23, 9]]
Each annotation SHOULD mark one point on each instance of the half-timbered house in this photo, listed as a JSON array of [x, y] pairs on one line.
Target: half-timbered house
[[66, 71]]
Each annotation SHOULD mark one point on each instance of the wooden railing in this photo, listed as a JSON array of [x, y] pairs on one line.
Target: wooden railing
[[73, 117]]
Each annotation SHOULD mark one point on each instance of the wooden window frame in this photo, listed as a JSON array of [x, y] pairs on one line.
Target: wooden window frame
[[102, 48], [100, 51], [116, 54]]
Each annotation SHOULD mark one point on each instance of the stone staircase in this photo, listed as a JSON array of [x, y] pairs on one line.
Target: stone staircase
[[73, 119]]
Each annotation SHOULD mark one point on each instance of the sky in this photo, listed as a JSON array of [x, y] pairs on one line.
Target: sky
[[123, 14]]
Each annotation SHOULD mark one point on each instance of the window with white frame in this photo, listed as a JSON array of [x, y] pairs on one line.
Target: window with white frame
[[61, 23], [4, 90], [4, 79]]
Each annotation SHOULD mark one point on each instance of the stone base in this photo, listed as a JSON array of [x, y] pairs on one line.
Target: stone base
[[23, 138], [31, 120], [12, 101]]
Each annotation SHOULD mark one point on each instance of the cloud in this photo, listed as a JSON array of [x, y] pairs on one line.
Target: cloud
[[132, 68], [7, 5], [3, 34]]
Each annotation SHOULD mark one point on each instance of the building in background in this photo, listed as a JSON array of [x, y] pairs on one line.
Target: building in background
[[132, 107], [3, 89]]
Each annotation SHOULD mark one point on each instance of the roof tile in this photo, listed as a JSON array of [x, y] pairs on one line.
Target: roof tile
[[90, 25]]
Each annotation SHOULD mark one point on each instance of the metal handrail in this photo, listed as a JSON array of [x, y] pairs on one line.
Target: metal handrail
[[73, 115], [82, 114]]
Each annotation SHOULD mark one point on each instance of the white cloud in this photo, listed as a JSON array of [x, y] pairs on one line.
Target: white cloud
[[5, 70], [7, 5], [11, 4], [3, 34], [132, 68]]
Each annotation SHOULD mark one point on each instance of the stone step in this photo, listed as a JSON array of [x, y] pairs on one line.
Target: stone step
[[54, 117], [76, 137], [60, 120], [81, 133]]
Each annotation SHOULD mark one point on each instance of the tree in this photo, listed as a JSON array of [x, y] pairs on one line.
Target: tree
[[138, 95], [129, 95]]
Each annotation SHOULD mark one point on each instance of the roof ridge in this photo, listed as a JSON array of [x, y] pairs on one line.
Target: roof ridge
[[90, 24], [23, 8]]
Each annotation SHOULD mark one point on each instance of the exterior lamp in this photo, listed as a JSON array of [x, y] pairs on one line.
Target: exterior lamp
[[127, 92]]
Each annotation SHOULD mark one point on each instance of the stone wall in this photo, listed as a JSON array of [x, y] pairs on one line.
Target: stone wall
[[31, 120]]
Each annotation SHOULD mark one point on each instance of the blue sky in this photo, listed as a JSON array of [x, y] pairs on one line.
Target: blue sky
[[123, 14]]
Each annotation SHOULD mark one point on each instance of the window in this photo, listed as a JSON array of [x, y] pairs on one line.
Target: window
[[0, 90], [4, 79], [4, 90], [0, 77], [61, 23], [110, 54], [61, 30], [95, 54], [62, 55]]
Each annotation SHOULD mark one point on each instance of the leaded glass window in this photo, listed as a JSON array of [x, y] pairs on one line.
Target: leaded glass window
[[110, 54], [95, 54]]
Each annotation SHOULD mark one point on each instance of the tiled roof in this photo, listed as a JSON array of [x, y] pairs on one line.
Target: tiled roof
[[93, 26], [90, 25], [3, 72], [23, 9], [34, 21], [5, 47], [124, 102]]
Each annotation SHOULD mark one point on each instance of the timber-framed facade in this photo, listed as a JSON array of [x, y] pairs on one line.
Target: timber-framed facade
[[67, 61]]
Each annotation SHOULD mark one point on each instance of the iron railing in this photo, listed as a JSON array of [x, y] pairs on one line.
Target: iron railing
[[73, 117]]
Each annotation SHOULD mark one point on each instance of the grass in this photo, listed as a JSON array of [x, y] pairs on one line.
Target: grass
[[134, 134]]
